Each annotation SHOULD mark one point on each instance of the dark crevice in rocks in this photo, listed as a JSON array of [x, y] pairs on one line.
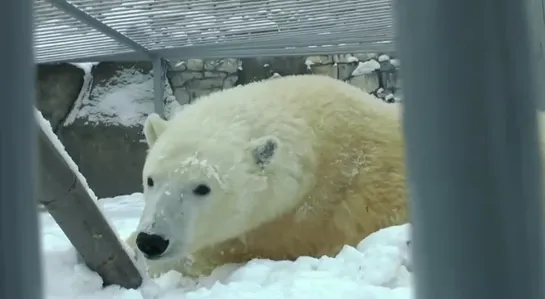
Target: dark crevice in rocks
[[381, 83]]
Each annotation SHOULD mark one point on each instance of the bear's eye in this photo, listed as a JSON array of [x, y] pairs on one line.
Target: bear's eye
[[150, 182], [201, 190]]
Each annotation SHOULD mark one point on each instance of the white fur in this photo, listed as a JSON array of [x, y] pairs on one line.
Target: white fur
[[212, 142]]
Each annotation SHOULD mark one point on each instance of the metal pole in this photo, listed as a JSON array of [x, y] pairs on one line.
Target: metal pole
[[472, 149], [20, 249], [69, 203], [159, 77]]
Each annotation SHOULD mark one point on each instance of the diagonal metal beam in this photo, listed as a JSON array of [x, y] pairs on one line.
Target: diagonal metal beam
[[98, 25]]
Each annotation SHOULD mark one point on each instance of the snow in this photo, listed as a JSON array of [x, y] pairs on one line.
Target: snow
[[383, 58], [395, 62], [352, 59], [377, 268], [125, 100], [84, 92], [85, 66], [366, 67]]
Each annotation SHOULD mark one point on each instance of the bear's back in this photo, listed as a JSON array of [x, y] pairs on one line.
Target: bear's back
[[270, 106]]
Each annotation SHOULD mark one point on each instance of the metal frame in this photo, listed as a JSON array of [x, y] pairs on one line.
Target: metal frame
[[472, 146], [20, 251]]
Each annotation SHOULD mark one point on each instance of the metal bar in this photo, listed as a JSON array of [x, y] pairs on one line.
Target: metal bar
[[20, 253], [127, 56], [536, 18], [188, 52], [98, 25], [180, 53], [474, 167], [70, 204], [159, 77]]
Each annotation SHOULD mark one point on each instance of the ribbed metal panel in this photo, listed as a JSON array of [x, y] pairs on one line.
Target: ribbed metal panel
[[59, 37], [217, 27]]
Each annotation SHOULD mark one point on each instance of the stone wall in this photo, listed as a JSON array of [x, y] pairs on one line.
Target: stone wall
[[374, 73], [98, 110]]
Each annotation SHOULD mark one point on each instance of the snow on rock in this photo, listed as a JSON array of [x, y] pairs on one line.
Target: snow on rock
[[352, 59], [366, 67], [309, 63], [85, 66], [383, 57], [375, 269], [125, 100], [83, 94]]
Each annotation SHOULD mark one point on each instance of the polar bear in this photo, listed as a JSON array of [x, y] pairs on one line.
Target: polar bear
[[277, 169]]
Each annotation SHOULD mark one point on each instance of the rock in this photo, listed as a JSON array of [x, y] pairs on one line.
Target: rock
[[228, 65], [365, 56], [195, 64], [230, 81], [179, 79], [367, 82], [330, 70], [58, 87], [260, 68], [319, 59], [345, 58], [204, 84], [182, 95], [197, 93], [345, 70], [104, 136], [110, 157], [389, 76]]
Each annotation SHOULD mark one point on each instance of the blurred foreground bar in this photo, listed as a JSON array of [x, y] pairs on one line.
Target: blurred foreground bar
[[472, 149]]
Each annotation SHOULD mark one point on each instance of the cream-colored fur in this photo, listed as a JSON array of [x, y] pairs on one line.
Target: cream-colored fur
[[336, 176]]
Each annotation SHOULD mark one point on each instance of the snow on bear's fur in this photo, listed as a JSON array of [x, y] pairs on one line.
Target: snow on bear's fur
[[277, 169]]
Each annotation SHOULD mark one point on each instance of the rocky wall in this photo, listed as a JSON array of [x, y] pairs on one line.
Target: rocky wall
[[98, 110], [374, 73]]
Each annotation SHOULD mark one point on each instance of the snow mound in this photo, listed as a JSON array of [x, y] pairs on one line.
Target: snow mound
[[377, 268]]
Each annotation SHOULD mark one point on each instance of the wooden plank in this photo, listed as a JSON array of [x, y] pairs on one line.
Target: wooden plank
[[76, 212]]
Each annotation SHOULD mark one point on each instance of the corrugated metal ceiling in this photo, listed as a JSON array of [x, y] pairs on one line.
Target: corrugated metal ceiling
[[214, 28]]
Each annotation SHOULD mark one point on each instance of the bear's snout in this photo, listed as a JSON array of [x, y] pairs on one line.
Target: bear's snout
[[151, 245]]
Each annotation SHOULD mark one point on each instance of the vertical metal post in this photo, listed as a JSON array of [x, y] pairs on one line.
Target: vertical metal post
[[20, 249], [536, 19], [159, 77], [472, 149]]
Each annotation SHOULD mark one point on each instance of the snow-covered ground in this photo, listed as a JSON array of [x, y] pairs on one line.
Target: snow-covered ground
[[377, 269]]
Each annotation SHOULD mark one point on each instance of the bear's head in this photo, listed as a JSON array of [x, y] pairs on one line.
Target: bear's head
[[202, 187]]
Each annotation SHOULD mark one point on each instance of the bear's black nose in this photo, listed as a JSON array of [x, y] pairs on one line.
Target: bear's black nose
[[151, 245]]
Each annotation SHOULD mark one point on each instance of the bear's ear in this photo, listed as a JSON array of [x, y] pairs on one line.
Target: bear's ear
[[153, 128], [263, 150]]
